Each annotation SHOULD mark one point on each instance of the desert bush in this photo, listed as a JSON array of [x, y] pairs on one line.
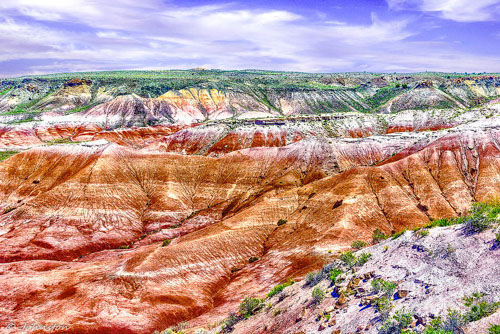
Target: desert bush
[[282, 222], [252, 259], [384, 306], [334, 274], [310, 277], [482, 216], [363, 258], [423, 232], [476, 224], [478, 307], [358, 244], [397, 235], [249, 306], [166, 242], [387, 288], [397, 325], [318, 295], [494, 329], [348, 258], [279, 288], [230, 322], [454, 323], [378, 236]]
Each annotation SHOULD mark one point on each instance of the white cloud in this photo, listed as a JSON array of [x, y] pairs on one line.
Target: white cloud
[[129, 34], [456, 10]]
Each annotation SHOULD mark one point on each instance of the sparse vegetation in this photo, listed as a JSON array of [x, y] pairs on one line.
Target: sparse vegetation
[[78, 109], [455, 321], [4, 155], [384, 306], [363, 258], [5, 91], [378, 236], [358, 244], [250, 306], [423, 232], [397, 235], [230, 322], [279, 288], [310, 277], [318, 295], [387, 288], [282, 222], [252, 259], [398, 324], [166, 242], [348, 258], [334, 274], [494, 329], [479, 307], [482, 216], [59, 141]]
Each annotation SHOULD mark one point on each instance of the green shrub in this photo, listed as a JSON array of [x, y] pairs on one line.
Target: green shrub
[[348, 258], [478, 307], [454, 322], [7, 154], [476, 224], [398, 324], [497, 237], [436, 331], [253, 259], [387, 288], [397, 235], [423, 232], [310, 277], [250, 306], [363, 258], [480, 310], [443, 222], [383, 306], [279, 288], [494, 329], [318, 295], [166, 242], [124, 247], [378, 236], [230, 322], [334, 273], [358, 244], [282, 222]]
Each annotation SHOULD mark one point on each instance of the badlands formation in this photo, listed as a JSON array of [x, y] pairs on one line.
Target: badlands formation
[[132, 202]]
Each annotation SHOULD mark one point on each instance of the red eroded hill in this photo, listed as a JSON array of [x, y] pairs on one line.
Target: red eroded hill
[[84, 226]]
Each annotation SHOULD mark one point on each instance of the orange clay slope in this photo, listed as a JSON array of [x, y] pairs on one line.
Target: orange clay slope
[[83, 229]]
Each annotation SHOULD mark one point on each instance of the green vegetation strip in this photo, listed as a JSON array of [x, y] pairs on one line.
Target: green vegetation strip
[[7, 154]]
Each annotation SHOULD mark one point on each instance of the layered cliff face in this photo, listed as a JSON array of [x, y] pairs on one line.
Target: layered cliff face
[[190, 97], [117, 227]]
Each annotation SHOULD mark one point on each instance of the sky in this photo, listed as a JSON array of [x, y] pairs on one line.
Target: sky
[[49, 36]]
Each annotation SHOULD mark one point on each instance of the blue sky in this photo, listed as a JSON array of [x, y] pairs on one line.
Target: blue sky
[[47, 36]]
